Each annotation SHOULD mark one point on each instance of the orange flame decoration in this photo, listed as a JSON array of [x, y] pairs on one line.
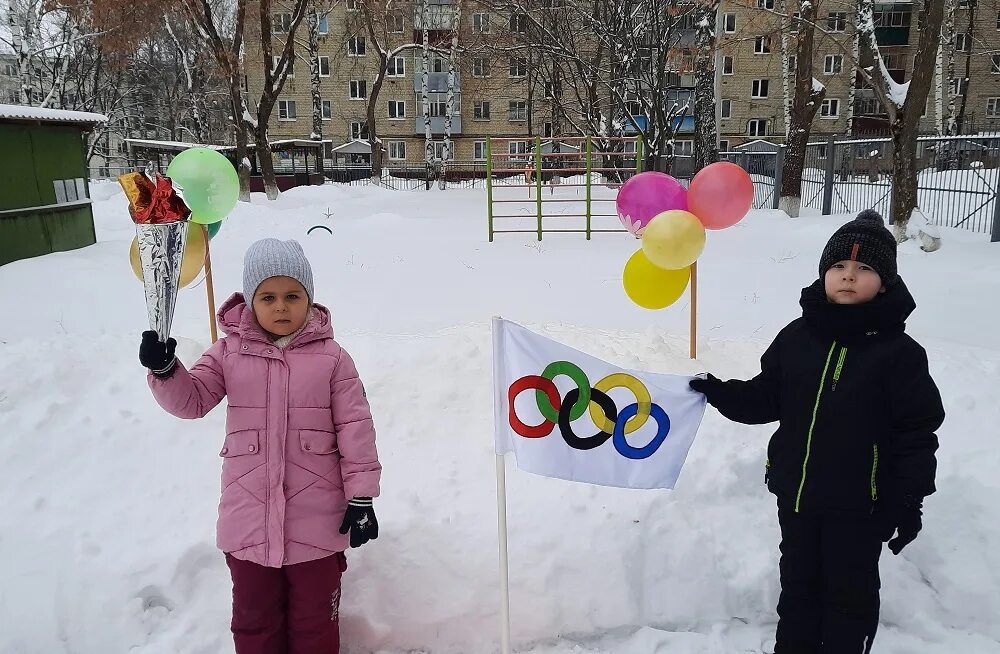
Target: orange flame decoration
[[153, 203]]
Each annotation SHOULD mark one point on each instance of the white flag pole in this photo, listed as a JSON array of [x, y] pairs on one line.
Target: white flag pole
[[501, 496]]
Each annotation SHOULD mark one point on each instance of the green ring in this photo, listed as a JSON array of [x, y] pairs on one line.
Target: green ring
[[572, 371]]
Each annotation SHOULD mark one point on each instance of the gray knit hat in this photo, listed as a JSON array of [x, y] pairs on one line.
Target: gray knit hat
[[864, 239], [270, 257]]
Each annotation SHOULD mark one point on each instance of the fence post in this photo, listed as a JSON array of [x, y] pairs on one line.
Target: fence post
[[538, 182], [779, 176], [828, 178], [638, 154], [995, 237], [589, 167], [489, 186]]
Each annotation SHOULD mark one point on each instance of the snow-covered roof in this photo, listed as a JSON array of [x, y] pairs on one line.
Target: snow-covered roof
[[299, 143], [354, 147], [21, 112], [175, 145], [758, 145]]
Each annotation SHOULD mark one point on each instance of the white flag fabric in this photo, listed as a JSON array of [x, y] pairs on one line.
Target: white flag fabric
[[569, 415]]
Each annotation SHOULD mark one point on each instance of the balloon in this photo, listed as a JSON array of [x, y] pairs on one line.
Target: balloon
[[194, 255], [213, 228], [647, 195], [209, 183], [673, 240], [721, 194], [652, 287]]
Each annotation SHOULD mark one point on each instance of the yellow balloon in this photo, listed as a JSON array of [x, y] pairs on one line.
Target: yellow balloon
[[674, 239], [191, 264], [652, 287]]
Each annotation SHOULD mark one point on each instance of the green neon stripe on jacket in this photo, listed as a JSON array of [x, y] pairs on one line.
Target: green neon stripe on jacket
[[874, 469], [812, 425]]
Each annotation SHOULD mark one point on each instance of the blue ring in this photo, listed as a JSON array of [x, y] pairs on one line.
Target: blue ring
[[663, 428]]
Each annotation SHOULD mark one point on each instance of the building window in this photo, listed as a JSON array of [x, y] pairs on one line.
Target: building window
[[10, 70], [836, 21], [359, 89], [759, 88], [286, 110], [552, 91], [397, 150], [281, 23], [354, 5], [327, 108], [684, 148], [834, 64], [993, 107], [821, 152], [274, 66], [480, 67], [958, 86], [359, 131], [324, 66], [479, 150], [757, 127], [727, 65], [995, 60], [397, 109], [323, 25], [547, 130], [762, 45], [998, 20], [396, 23], [517, 110], [765, 4], [792, 63], [481, 111], [518, 23], [727, 108], [729, 23], [518, 67], [830, 108], [963, 42], [723, 145], [481, 23], [356, 46], [518, 147], [396, 67], [793, 24]]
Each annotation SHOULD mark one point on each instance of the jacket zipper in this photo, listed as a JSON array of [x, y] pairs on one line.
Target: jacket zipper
[[812, 425], [839, 368], [874, 470]]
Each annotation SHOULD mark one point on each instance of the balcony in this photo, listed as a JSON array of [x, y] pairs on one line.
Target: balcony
[[437, 125], [437, 82]]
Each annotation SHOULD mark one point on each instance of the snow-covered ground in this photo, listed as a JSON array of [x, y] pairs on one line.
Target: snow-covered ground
[[107, 525]]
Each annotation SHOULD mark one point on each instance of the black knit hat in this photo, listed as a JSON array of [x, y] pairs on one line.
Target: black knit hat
[[864, 239]]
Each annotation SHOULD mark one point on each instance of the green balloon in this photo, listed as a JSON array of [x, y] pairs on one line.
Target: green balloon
[[213, 228], [209, 183]]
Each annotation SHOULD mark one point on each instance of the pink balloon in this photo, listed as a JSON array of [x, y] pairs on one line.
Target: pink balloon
[[647, 195], [721, 194]]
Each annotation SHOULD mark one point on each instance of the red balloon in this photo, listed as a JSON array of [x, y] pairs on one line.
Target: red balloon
[[720, 195]]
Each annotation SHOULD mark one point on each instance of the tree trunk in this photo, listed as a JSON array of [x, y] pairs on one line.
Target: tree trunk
[[706, 137], [265, 163], [964, 84], [317, 99], [805, 103], [452, 65], [904, 178], [241, 135], [424, 94]]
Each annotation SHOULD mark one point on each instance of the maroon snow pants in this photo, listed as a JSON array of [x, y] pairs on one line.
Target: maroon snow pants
[[289, 610]]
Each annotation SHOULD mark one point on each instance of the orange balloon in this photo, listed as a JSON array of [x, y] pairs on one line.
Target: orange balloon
[[194, 255]]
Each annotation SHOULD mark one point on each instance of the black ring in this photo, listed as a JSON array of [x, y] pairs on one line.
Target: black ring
[[600, 438]]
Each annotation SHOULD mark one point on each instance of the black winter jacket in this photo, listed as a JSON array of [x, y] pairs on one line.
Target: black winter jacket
[[856, 405]]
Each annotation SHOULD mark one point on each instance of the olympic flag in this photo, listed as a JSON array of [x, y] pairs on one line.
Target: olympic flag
[[569, 415]]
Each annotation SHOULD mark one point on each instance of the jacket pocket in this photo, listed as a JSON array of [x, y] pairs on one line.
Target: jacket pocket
[[241, 458], [317, 442], [241, 443]]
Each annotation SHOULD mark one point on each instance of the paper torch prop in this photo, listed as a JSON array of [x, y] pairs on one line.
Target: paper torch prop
[[160, 216]]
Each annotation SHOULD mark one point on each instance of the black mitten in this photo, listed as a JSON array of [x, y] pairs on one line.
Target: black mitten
[[904, 521], [360, 521], [705, 386], [157, 355]]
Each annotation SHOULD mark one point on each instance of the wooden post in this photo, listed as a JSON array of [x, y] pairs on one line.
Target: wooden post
[[694, 310], [210, 287]]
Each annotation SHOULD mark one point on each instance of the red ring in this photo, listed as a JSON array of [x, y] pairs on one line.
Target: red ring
[[532, 382]]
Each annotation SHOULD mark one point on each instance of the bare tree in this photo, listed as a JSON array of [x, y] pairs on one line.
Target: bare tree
[[706, 136], [904, 103], [450, 106], [425, 63], [806, 101]]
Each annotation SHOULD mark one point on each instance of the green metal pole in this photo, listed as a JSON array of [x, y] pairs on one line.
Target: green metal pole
[[538, 182], [588, 186], [489, 187], [638, 154]]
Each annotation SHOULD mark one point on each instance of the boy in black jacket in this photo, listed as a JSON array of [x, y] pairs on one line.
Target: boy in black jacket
[[853, 456]]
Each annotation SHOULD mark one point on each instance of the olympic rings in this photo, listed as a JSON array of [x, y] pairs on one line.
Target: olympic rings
[[622, 380], [662, 429], [550, 410], [612, 424]]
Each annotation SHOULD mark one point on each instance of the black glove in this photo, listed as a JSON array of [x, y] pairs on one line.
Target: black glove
[[156, 355], [705, 386], [903, 519], [360, 521]]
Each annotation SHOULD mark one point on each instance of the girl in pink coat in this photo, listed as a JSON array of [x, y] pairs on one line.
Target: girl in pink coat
[[299, 464]]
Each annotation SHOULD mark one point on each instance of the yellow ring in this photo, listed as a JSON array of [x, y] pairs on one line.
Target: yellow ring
[[642, 398]]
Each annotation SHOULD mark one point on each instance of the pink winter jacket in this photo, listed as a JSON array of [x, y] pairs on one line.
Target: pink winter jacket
[[299, 436]]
